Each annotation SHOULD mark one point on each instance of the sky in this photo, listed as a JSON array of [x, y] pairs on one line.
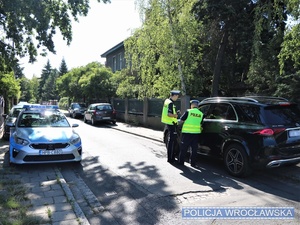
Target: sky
[[105, 26]]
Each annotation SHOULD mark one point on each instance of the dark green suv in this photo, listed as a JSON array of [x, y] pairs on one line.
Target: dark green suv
[[250, 132]]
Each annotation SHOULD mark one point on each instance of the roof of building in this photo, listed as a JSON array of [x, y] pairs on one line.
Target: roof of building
[[118, 46]]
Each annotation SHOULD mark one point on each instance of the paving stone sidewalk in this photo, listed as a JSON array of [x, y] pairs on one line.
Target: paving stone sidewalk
[[49, 196]]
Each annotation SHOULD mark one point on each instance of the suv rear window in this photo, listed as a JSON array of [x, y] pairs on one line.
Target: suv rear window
[[282, 115]]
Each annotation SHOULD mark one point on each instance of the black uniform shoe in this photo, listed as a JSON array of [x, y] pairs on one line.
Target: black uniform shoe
[[180, 163], [171, 161]]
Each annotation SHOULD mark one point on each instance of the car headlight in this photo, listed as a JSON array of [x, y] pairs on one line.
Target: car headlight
[[75, 139], [21, 141]]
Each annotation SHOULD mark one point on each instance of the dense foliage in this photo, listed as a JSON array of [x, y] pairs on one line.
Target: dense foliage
[[216, 47], [201, 47], [90, 83], [27, 29]]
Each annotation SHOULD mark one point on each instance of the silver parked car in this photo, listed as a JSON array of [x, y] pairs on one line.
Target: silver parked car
[[100, 112]]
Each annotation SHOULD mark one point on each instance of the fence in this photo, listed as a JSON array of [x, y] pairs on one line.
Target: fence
[[146, 112]]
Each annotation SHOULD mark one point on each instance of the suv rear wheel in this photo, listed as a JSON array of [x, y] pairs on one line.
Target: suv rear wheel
[[236, 161]]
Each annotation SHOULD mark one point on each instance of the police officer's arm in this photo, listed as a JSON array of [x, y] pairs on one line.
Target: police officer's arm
[[203, 116], [170, 111], [184, 116]]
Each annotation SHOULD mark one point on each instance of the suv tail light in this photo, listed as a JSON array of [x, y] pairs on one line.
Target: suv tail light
[[114, 111], [269, 131]]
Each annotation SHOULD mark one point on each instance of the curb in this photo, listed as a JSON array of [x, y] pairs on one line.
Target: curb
[[136, 134], [79, 213]]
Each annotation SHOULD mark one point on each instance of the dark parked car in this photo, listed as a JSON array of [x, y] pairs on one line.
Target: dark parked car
[[100, 112], [10, 119], [250, 132], [77, 110]]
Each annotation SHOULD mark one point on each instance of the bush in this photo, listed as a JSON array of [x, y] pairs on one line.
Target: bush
[[63, 103]]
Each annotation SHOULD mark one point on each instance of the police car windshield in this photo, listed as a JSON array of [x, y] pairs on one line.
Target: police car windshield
[[43, 119]]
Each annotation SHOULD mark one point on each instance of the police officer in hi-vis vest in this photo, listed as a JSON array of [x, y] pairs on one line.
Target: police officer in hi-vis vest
[[192, 120], [169, 117]]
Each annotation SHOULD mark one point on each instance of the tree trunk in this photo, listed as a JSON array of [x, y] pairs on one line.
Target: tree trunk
[[176, 52], [218, 64]]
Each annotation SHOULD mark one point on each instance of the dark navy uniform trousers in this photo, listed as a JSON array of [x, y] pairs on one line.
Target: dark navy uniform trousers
[[188, 140], [171, 140]]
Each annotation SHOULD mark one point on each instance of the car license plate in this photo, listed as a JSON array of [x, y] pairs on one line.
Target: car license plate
[[294, 133], [51, 152], [106, 118]]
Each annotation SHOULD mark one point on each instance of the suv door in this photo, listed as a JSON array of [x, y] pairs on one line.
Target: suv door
[[219, 117]]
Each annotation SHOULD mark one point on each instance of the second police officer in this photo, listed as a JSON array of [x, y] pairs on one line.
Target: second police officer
[[170, 118], [191, 129]]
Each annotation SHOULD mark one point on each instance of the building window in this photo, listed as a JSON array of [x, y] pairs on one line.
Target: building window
[[120, 61], [114, 64]]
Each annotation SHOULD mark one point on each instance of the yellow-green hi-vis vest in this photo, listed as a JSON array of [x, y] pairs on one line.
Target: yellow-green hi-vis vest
[[192, 125], [164, 116]]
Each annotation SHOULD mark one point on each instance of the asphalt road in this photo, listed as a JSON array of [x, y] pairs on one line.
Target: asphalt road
[[133, 183]]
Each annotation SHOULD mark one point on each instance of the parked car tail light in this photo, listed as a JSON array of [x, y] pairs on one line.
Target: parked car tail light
[[114, 111], [269, 131], [95, 113]]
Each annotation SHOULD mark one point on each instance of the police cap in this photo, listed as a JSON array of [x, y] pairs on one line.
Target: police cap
[[174, 92], [196, 102]]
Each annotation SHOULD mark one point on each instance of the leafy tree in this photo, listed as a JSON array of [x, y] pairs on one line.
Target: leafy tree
[[34, 83], [270, 23], [95, 82], [124, 82], [87, 83], [289, 57], [29, 26], [46, 73], [289, 61], [164, 51], [49, 88], [26, 90], [67, 85], [227, 42], [10, 87], [63, 68]]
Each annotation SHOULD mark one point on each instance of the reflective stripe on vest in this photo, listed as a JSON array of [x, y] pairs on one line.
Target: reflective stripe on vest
[[192, 124], [164, 116]]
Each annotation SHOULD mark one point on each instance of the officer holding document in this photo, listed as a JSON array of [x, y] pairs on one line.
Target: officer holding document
[[191, 129]]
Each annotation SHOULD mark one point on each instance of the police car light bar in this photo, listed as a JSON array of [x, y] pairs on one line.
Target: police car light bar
[[37, 106]]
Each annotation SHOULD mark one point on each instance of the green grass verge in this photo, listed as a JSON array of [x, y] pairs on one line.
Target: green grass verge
[[13, 201]]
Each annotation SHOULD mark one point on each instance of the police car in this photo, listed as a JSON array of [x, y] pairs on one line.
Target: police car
[[42, 134]]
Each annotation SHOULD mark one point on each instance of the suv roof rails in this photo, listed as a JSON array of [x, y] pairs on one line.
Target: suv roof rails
[[247, 98], [268, 98]]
